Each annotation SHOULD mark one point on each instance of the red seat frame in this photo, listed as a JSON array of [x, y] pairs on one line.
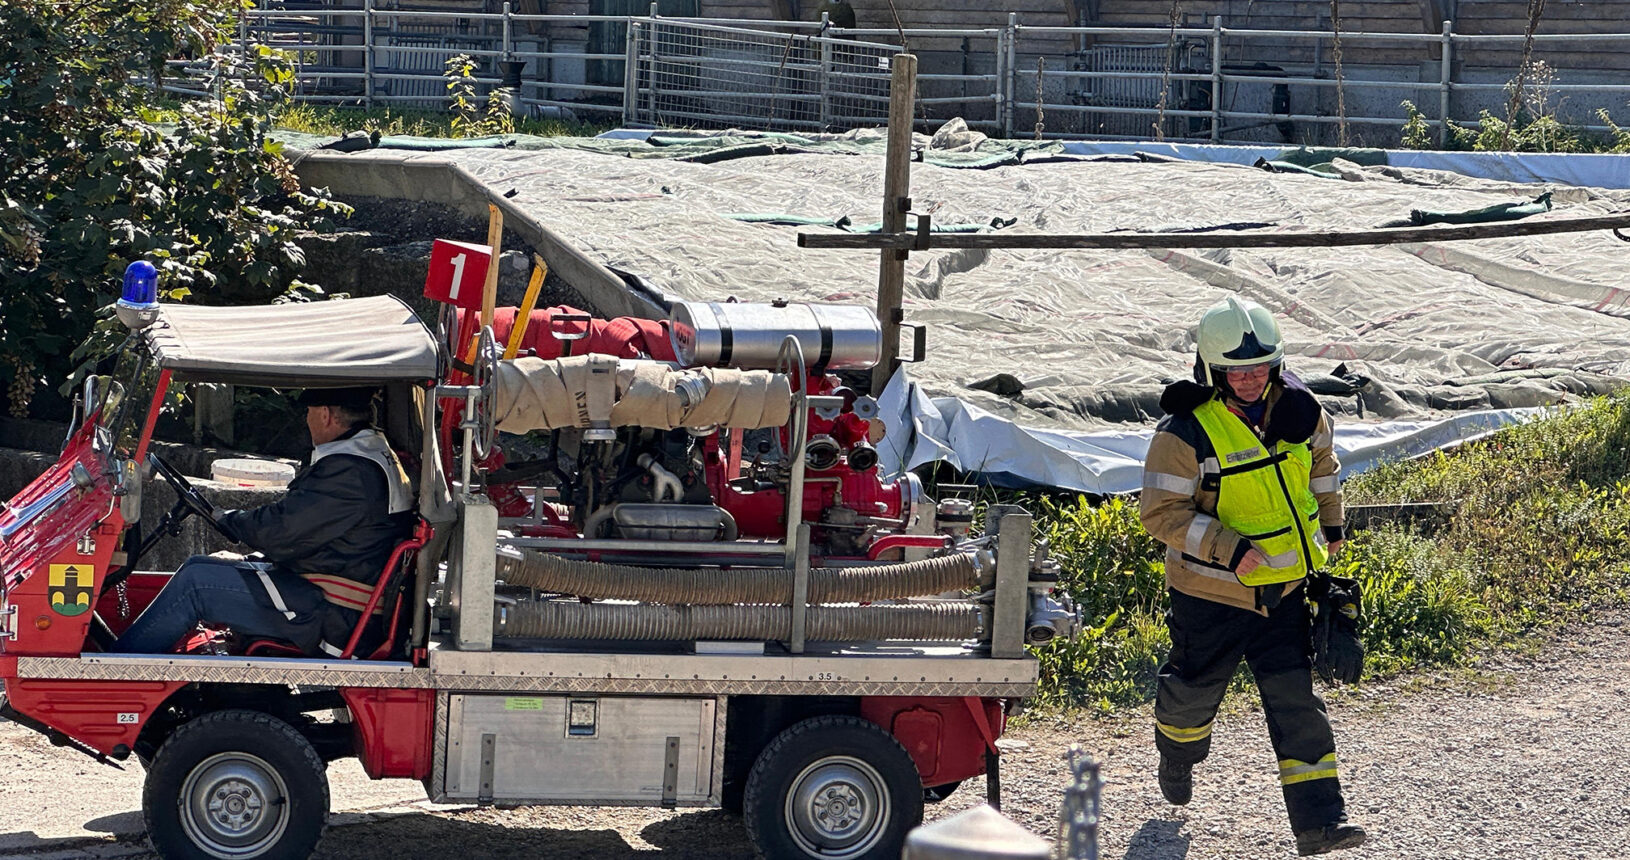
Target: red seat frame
[[400, 561]]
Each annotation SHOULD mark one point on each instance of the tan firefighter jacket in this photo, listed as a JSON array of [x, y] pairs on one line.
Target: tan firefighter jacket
[[1180, 479]]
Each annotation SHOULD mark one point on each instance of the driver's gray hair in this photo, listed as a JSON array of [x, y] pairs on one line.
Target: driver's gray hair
[[354, 416]]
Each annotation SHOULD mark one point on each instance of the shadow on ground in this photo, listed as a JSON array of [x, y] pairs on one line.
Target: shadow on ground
[[1158, 840], [713, 834], [123, 823]]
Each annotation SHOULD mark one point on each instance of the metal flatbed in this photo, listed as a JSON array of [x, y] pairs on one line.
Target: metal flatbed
[[875, 669]]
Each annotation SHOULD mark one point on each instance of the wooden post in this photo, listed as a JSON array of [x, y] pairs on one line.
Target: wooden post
[[495, 240], [489, 290], [523, 317], [896, 200]]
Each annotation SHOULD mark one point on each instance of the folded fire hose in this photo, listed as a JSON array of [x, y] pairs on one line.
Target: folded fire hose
[[605, 391]]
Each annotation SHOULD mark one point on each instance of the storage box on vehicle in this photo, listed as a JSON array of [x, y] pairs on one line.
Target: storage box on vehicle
[[252, 473]]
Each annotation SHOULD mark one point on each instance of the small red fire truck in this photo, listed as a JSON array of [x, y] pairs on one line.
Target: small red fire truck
[[682, 581]]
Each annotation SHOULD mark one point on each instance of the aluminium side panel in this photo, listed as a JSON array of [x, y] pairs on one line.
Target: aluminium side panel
[[583, 749]]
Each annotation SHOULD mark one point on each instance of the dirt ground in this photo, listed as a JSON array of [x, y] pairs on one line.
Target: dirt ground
[[1523, 758]]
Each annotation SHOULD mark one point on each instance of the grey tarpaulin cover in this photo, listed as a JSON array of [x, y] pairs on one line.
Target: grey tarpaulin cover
[[1038, 359], [340, 342]]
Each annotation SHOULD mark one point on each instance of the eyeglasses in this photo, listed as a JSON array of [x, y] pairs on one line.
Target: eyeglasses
[[1250, 371]]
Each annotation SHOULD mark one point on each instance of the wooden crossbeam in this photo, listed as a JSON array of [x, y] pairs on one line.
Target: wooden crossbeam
[[920, 241]]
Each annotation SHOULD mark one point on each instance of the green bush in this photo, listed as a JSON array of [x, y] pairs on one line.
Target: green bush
[[89, 181], [1420, 606], [1112, 568], [1530, 132]]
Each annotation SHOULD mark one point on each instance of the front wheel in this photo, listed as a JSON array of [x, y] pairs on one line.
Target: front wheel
[[832, 788], [235, 785]]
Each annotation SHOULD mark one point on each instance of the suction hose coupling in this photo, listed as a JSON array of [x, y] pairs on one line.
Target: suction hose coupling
[[862, 457], [822, 453]]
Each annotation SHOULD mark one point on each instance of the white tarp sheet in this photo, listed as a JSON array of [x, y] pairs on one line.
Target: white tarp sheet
[[1033, 343], [1111, 461]]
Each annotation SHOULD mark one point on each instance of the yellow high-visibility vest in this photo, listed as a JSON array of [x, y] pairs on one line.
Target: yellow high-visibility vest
[[1264, 495]]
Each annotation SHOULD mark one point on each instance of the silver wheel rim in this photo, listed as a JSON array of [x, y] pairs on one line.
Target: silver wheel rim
[[234, 805], [837, 807]]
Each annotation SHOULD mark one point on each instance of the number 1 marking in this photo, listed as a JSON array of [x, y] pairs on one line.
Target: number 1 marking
[[458, 276]]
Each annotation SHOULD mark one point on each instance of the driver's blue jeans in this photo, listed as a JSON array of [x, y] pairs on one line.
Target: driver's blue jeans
[[204, 589]]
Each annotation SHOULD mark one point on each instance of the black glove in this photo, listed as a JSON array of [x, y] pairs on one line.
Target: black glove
[[1338, 650]]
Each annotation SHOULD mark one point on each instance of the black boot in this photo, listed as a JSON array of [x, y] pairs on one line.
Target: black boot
[[1176, 781], [1331, 837]]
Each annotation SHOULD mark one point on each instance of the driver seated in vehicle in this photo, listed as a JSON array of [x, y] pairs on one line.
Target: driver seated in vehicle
[[323, 545]]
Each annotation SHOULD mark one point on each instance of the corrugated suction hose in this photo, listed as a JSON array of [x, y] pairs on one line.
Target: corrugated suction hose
[[771, 586], [562, 620]]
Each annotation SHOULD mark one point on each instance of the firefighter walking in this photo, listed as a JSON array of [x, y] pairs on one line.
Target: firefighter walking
[[1241, 485]]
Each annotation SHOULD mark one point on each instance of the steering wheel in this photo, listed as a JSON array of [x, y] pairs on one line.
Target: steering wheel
[[187, 496]]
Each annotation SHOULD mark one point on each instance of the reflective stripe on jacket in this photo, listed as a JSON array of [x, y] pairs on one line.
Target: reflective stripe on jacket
[[1264, 496], [1182, 475]]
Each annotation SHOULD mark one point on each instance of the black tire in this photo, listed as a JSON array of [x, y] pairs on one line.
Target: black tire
[[235, 785], [937, 793], [832, 788]]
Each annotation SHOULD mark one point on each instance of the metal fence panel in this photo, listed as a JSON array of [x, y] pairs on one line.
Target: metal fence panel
[[1136, 82], [701, 75]]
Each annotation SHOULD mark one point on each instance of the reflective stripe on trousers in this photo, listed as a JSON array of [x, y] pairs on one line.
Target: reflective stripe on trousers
[[1185, 736], [1292, 771]]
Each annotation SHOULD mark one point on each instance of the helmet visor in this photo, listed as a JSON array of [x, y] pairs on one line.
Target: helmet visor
[[1248, 371], [1250, 347]]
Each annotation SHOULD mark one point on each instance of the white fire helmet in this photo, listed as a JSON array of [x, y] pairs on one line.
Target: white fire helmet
[[1236, 333]]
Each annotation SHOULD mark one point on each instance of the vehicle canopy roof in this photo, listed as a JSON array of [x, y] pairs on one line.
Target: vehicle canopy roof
[[297, 345]]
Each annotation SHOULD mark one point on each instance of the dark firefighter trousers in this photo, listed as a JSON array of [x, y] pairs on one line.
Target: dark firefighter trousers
[[1208, 640]]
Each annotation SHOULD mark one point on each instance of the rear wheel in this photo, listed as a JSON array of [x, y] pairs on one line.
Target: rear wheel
[[235, 785], [832, 788]]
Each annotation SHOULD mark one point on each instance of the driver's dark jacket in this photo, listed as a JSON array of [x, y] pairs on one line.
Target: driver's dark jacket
[[334, 523]]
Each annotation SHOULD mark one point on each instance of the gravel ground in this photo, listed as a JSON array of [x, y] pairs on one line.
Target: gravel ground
[[1522, 758]]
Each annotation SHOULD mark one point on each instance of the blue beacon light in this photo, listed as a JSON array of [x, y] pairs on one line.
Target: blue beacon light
[[138, 303]]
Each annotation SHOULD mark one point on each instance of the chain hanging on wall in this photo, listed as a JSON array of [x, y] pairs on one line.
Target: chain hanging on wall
[[1166, 75], [1341, 83], [1536, 8], [1041, 70]]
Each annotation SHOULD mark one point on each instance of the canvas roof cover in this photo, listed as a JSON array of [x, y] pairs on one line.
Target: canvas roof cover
[[332, 343]]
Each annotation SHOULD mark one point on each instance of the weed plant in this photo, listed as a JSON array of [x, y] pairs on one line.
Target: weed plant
[[1532, 126], [329, 120], [1539, 533]]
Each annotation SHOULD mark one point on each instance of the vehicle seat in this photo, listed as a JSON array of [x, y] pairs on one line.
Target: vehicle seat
[[388, 592]]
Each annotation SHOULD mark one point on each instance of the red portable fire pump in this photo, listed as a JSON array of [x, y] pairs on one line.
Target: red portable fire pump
[[622, 608], [856, 510]]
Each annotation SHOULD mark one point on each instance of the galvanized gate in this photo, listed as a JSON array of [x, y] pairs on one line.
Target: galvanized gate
[[689, 74]]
